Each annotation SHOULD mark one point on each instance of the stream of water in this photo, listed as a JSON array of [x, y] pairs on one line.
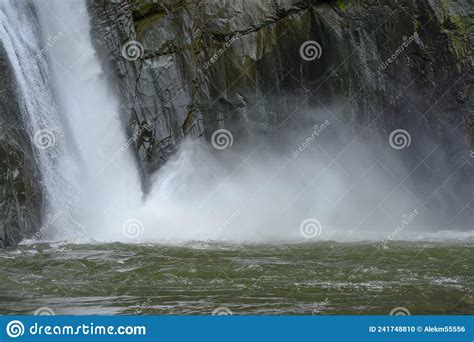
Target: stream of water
[[318, 278], [209, 234]]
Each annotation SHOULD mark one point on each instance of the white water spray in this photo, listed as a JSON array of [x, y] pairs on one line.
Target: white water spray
[[92, 186], [64, 93], [103, 169], [21, 41]]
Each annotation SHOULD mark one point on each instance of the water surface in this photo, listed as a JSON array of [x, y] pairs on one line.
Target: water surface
[[303, 279]]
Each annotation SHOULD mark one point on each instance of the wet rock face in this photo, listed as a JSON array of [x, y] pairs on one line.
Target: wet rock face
[[190, 67], [19, 184]]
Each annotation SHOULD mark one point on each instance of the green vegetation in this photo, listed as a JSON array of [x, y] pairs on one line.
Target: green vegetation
[[459, 36], [342, 4]]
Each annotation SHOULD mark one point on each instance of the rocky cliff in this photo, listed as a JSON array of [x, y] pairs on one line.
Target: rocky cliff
[[20, 199], [191, 67]]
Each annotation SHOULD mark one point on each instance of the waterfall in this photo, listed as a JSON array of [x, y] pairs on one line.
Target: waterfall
[[254, 193], [107, 182], [19, 36], [91, 183], [72, 118]]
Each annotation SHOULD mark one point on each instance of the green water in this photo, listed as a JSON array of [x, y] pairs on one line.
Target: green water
[[320, 278]]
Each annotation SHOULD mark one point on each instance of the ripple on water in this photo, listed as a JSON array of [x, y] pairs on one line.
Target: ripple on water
[[117, 278]]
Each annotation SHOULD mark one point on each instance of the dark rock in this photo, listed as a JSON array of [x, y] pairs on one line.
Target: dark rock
[[384, 65], [237, 65], [191, 67], [20, 199]]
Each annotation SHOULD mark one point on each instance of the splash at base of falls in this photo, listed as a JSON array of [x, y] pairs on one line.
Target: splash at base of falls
[[320, 183], [260, 195]]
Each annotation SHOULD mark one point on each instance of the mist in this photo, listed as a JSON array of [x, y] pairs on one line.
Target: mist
[[316, 174], [323, 182]]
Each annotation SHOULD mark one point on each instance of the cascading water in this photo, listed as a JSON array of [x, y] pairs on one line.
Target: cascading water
[[92, 186], [19, 36], [314, 180], [71, 116], [106, 169]]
